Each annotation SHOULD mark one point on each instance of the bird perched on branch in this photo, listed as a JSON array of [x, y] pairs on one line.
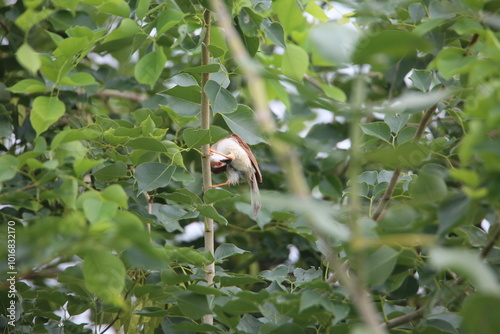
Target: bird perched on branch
[[233, 156]]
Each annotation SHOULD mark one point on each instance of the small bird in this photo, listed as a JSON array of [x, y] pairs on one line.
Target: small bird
[[233, 156]]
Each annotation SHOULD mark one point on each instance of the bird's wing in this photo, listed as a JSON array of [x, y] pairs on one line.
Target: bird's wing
[[258, 175]]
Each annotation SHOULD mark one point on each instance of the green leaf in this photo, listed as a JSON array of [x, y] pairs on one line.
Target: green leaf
[[468, 264], [417, 12], [168, 19], [289, 14], [68, 135], [115, 193], [466, 176], [451, 211], [335, 93], [149, 68], [28, 58], [210, 212], [481, 312], [184, 101], [226, 250], [242, 122], [295, 62], [381, 263], [278, 275], [31, 17], [249, 21], [46, 111], [427, 26], [127, 28], [220, 98], [212, 68], [396, 122], [104, 275], [193, 305], [451, 61], [339, 52], [392, 43], [81, 165], [145, 143], [153, 175], [28, 86], [8, 167], [378, 130], [428, 188], [309, 298], [112, 171], [205, 290], [421, 79], [315, 10], [114, 7], [152, 312], [142, 8], [237, 279], [68, 192], [275, 33], [214, 195], [79, 79], [98, 211], [240, 306], [196, 137]]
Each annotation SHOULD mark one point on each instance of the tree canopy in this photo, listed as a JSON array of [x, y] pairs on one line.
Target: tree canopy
[[375, 123]]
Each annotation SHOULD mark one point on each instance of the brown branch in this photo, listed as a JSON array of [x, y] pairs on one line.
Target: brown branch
[[386, 197], [487, 249], [423, 122], [401, 320], [132, 96]]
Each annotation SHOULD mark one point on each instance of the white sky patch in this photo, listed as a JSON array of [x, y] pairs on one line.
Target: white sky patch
[[293, 255], [322, 116], [485, 225], [344, 144], [104, 60], [192, 232], [338, 10], [153, 32], [278, 108]]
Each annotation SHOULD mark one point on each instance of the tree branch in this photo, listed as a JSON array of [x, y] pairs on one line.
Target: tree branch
[[205, 160], [401, 320], [132, 96], [386, 197]]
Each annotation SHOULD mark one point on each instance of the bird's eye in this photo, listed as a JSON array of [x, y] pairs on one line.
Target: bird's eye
[[219, 164]]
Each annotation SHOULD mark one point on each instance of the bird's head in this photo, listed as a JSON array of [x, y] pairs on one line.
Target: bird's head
[[219, 164]]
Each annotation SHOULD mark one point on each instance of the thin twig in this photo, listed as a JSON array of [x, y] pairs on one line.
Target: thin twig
[[205, 160], [406, 318], [115, 319], [386, 197]]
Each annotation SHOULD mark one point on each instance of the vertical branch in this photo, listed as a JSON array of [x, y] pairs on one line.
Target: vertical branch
[[205, 160], [288, 159]]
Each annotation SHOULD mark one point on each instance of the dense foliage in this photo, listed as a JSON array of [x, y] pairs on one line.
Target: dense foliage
[[392, 108]]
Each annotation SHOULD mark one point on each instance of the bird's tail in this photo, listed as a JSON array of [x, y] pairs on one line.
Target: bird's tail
[[255, 196]]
